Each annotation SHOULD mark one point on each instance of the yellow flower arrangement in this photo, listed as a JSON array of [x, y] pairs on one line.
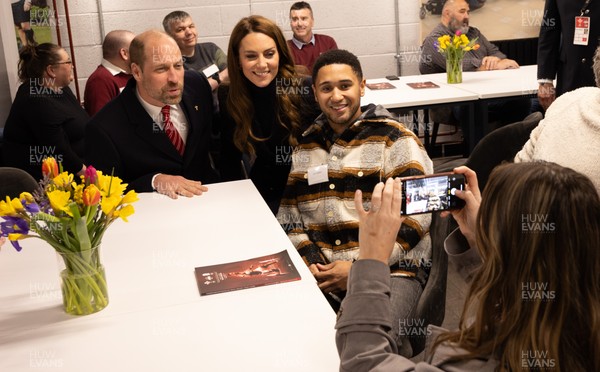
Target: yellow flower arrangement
[[454, 49], [71, 217]]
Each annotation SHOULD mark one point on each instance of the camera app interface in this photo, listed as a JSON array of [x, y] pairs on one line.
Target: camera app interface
[[424, 195]]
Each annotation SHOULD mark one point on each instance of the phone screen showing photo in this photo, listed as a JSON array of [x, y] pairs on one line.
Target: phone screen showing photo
[[431, 193]]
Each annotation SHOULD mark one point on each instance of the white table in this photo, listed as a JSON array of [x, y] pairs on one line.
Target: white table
[[497, 83], [156, 320], [477, 87], [408, 98], [403, 96], [491, 85]]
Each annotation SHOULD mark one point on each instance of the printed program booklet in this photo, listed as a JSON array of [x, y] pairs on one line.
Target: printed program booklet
[[423, 85], [379, 86], [255, 272]]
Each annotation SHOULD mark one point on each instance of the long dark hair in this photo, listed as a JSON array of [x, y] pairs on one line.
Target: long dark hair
[[33, 60], [537, 291], [239, 103]]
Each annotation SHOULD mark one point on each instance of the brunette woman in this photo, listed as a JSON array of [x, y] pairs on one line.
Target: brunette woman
[[263, 108], [534, 301]]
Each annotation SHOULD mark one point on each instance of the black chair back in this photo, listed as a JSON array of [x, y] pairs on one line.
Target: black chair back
[[499, 146], [14, 181]]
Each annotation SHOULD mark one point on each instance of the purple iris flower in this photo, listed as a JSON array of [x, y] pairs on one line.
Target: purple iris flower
[[14, 225], [31, 207]]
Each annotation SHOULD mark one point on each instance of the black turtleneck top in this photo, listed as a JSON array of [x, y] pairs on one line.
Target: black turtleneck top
[[270, 167]]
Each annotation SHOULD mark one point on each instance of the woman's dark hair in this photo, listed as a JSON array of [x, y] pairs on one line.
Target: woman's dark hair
[[538, 232], [239, 103], [33, 60]]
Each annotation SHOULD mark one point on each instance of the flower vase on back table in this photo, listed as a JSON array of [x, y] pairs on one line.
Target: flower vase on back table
[[454, 70], [454, 49]]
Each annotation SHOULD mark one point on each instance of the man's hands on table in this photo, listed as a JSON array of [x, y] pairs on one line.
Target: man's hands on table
[[172, 186], [494, 63]]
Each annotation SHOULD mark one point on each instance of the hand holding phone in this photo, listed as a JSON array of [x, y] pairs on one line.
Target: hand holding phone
[[466, 217], [435, 192]]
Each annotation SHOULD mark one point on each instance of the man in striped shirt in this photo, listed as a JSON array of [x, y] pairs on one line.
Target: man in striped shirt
[[346, 149]]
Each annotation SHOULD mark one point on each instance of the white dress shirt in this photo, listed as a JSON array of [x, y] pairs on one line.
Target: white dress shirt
[[177, 117]]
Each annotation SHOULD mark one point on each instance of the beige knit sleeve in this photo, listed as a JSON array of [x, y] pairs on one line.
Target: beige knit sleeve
[[527, 153]]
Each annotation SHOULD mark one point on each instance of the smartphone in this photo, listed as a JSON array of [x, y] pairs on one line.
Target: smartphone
[[434, 192], [392, 77]]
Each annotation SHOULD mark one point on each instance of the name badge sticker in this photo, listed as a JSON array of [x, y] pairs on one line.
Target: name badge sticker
[[210, 70], [582, 31], [317, 174]]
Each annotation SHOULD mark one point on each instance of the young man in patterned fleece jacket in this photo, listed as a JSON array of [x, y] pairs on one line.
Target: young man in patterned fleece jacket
[[350, 148]]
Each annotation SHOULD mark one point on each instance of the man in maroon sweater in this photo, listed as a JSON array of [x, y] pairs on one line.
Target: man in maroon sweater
[[305, 45], [109, 79]]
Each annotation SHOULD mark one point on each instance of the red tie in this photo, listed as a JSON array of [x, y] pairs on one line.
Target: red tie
[[171, 131]]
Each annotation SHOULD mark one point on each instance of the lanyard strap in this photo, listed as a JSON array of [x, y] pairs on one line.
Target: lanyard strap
[[587, 3]]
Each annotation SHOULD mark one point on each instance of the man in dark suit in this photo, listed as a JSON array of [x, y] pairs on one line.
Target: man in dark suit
[[155, 135], [560, 54]]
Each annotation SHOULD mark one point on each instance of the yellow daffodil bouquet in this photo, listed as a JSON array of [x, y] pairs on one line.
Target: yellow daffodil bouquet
[[454, 49], [72, 217]]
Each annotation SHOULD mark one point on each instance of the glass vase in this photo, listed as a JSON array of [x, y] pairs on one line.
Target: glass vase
[[454, 70], [83, 282]]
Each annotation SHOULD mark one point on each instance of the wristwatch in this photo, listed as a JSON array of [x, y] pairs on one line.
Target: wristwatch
[[216, 78]]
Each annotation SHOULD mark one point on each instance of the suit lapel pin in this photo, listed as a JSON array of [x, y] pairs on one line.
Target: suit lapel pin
[[196, 107]]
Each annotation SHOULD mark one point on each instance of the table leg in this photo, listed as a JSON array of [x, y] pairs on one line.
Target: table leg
[[426, 134], [480, 113]]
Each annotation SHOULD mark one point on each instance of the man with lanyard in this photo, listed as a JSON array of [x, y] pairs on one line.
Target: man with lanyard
[[567, 42]]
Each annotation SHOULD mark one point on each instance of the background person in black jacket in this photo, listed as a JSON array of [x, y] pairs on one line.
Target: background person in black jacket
[[558, 56], [45, 119]]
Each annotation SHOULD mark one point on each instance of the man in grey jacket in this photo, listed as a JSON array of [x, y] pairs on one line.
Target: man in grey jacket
[[455, 17]]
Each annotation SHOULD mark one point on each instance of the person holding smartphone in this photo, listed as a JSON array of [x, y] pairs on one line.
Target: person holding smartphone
[[530, 243]]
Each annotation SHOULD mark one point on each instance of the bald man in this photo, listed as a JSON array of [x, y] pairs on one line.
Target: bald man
[[109, 79], [455, 16], [155, 135]]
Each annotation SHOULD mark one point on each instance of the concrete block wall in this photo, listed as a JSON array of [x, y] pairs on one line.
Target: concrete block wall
[[8, 58], [367, 28]]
